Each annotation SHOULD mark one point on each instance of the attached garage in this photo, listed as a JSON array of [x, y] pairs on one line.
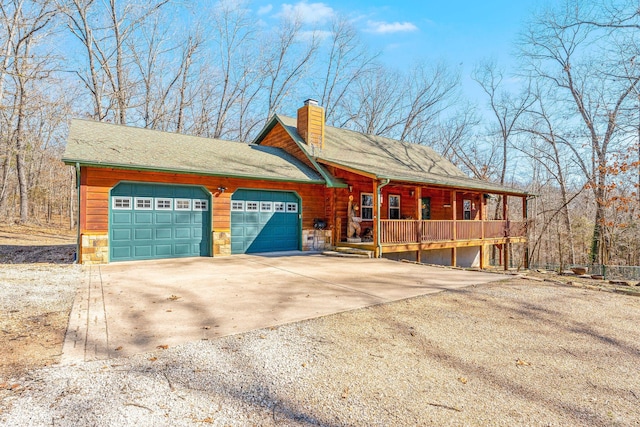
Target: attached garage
[[152, 221], [264, 221]]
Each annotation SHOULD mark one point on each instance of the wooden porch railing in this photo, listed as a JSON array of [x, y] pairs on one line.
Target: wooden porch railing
[[411, 231]]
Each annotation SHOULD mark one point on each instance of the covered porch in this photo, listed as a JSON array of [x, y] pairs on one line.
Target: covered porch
[[418, 221]]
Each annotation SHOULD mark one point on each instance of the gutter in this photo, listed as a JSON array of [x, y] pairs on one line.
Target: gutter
[[379, 195], [77, 260]]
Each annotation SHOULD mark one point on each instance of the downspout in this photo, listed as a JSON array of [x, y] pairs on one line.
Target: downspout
[[77, 260], [378, 198]]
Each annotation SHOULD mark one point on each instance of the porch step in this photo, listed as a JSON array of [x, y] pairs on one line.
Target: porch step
[[343, 254], [346, 251]]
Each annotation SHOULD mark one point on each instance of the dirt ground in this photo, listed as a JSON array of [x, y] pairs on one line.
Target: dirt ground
[[37, 285]]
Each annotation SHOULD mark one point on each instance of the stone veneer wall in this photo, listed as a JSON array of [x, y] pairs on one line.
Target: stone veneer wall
[[316, 240], [95, 248], [221, 243]]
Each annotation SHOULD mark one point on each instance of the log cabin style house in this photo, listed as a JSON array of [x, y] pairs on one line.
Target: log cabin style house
[[300, 185]]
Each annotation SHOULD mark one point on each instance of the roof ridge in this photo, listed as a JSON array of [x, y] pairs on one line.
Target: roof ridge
[[137, 128]]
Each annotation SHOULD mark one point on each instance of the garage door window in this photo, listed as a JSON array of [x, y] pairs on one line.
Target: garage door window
[[122, 203], [237, 206], [292, 207], [164, 204], [183, 205], [278, 206], [144, 203], [266, 207], [251, 206], [200, 205]]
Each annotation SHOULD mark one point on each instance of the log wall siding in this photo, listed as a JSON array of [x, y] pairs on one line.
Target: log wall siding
[[278, 137], [96, 183]]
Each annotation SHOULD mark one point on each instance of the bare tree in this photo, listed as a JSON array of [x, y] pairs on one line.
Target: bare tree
[[563, 47]]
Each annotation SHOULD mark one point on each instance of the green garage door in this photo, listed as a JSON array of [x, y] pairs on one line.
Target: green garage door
[[264, 221], [150, 221]]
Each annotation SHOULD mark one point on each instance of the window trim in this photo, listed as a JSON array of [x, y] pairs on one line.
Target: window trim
[[129, 200], [363, 207], [395, 208], [163, 199], [176, 208]]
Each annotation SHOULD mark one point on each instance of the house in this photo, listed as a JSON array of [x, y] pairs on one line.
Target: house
[[146, 194]]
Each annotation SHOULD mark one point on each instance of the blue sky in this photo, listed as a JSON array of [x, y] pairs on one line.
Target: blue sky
[[461, 32]]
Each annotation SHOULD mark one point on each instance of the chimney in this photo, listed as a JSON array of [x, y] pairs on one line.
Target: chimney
[[311, 123]]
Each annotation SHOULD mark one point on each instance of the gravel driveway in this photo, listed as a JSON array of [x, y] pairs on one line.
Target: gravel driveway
[[512, 353]]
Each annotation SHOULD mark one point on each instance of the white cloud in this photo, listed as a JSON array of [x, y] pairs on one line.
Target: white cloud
[[265, 9], [308, 13], [381, 27]]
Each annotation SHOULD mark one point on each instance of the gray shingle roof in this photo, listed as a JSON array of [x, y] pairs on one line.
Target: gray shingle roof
[[390, 158], [103, 144]]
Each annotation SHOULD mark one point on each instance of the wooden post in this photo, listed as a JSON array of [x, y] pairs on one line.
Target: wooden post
[[454, 257], [418, 200], [376, 212], [525, 216], [454, 209], [506, 256], [481, 257]]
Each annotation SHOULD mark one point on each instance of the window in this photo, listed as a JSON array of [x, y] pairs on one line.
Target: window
[[251, 206], [394, 206], [200, 205], [466, 209], [426, 207], [366, 206], [278, 206], [121, 203], [183, 204], [266, 207], [164, 204], [143, 203], [237, 206], [292, 207]]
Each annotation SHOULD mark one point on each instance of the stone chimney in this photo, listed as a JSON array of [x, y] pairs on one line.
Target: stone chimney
[[311, 123]]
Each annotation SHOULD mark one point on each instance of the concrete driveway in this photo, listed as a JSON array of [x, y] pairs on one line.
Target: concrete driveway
[[133, 307]]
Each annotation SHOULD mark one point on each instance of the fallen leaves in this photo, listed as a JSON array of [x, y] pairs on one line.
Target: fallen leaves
[[152, 359], [345, 393], [520, 362], [174, 298], [163, 346], [119, 348], [463, 380]]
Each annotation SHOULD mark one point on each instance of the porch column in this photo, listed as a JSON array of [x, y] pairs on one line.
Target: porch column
[[454, 208], [506, 246], [525, 216], [418, 200], [376, 210]]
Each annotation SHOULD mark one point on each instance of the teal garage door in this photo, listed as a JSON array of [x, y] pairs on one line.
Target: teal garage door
[[264, 221], [151, 221]]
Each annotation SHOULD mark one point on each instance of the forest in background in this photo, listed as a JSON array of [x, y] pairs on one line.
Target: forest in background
[[568, 133]]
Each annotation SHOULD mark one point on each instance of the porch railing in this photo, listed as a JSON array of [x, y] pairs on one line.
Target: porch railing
[[412, 231]]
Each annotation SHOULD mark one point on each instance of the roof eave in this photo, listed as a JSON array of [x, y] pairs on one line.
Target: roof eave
[[73, 162], [434, 182]]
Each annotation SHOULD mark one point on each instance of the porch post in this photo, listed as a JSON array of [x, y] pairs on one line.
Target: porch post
[[525, 216], [376, 209], [418, 193], [506, 246], [454, 208]]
